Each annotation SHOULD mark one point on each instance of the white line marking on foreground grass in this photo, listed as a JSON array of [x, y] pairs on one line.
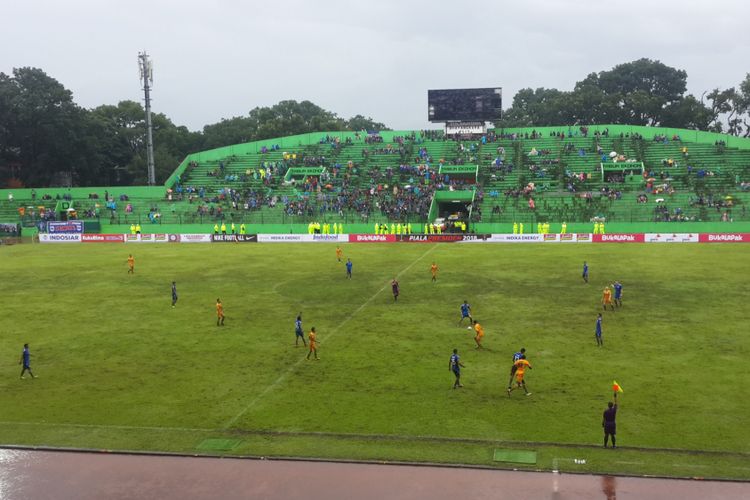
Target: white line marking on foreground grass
[[281, 378], [107, 426]]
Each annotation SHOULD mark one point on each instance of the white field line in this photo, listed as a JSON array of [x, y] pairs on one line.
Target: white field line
[[281, 378], [107, 426]]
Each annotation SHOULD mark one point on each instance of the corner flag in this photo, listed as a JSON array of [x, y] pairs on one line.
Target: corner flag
[[616, 387]]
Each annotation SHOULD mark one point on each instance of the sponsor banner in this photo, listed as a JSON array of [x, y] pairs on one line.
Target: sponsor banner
[[619, 238], [147, 238], [372, 238], [551, 237], [517, 238], [303, 238], [103, 238], [330, 238], [584, 237], [234, 238], [724, 238], [671, 238], [281, 238], [71, 226], [430, 238], [60, 238], [190, 238], [475, 238], [568, 238]]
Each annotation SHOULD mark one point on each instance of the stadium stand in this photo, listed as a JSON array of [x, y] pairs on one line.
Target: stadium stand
[[550, 174]]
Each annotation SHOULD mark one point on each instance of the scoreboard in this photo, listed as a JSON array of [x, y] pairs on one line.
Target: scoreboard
[[466, 105]]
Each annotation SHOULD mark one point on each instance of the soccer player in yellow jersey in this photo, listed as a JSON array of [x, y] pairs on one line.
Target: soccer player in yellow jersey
[[339, 253], [479, 334], [607, 298], [312, 337], [521, 366], [131, 264], [219, 313], [434, 270]]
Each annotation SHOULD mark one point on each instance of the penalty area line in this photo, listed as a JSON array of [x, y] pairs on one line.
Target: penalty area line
[[282, 378]]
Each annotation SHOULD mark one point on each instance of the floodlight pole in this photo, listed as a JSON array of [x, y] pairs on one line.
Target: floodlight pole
[[147, 79]]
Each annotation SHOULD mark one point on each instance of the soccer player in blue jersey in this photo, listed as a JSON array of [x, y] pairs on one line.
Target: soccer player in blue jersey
[[349, 268], [174, 293], [466, 313], [298, 331], [516, 356], [585, 272], [618, 293], [599, 341], [26, 361], [455, 366]]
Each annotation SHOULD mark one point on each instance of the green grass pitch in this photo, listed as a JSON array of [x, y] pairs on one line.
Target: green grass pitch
[[119, 368]]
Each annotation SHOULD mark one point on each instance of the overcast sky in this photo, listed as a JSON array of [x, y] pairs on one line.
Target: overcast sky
[[218, 59]]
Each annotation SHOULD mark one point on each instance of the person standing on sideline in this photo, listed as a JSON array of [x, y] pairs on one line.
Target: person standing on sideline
[[394, 289], [349, 268], [455, 366], [26, 361], [599, 341], [131, 264], [298, 331], [585, 272], [608, 422], [219, 313], [312, 337], [174, 293]]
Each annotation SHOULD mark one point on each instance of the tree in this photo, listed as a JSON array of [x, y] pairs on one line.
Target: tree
[[41, 136], [642, 92], [687, 113], [359, 122]]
